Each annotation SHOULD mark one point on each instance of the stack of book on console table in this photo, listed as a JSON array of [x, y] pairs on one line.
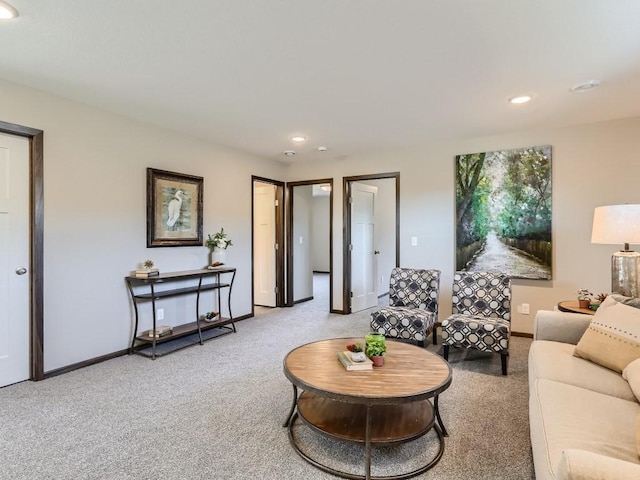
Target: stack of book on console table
[[159, 332], [345, 359], [147, 272]]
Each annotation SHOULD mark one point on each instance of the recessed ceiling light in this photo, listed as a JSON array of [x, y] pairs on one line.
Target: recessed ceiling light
[[322, 149], [298, 138], [520, 99], [7, 12], [583, 87], [289, 153]]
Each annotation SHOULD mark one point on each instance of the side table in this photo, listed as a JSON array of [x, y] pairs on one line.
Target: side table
[[572, 306]]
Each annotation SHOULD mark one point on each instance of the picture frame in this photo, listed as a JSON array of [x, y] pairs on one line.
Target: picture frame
[[174, 209], [504, 212]]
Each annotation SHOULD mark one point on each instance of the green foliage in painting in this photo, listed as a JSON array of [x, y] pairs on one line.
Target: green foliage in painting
[[526, 196], [472, 191]]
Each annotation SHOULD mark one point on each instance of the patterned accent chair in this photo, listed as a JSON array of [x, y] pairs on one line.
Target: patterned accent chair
[[413, 305], [481, 318]]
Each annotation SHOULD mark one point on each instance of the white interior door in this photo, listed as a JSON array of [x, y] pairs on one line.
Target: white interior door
[[363, 259], [14, 259], [264, 248]]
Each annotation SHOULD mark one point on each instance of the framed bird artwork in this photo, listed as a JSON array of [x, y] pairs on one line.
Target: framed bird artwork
[[174, 209]]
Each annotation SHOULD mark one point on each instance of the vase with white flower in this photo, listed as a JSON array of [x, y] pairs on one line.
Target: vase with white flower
[[218, 244]]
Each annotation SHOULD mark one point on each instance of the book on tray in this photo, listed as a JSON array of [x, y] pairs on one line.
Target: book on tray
[[349, 364]]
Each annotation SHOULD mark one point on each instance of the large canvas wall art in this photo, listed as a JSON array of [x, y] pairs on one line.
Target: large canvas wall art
[[503, 212]]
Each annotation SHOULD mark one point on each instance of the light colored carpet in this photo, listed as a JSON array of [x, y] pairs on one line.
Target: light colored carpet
[[216, 412]]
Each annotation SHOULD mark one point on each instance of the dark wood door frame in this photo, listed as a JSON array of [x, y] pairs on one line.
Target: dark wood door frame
[[36, 255], [279, 240], [346, 229], [289, 246]]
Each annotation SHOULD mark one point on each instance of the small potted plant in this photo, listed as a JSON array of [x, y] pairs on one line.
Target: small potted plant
[[375, 348], [218, 244], [584, 298]]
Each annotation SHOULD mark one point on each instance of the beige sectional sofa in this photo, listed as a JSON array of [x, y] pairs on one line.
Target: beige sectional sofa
[[583, 417]]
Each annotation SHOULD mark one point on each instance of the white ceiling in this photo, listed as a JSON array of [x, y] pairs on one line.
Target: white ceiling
[[352, 75]]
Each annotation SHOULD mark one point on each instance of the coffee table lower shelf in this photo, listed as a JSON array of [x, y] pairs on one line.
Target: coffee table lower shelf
[[389, 425]]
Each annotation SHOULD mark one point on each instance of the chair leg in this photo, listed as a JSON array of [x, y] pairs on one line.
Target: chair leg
[[435, 334], [505, 362], [445, 352], [421, 343]]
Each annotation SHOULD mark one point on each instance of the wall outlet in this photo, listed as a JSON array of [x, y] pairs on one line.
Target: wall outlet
[[525, 309], [160, 314]]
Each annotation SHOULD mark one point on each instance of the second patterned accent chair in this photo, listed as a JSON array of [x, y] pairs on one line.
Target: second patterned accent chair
[[481, 318], [413, 305]]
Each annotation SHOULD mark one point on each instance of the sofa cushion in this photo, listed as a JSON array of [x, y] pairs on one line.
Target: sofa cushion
[[631, 374], [613, 337], [581, 465], [555, 361], [565, 417]]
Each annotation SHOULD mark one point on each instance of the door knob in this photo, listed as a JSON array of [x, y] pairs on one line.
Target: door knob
[[376, 252], [21, 270]]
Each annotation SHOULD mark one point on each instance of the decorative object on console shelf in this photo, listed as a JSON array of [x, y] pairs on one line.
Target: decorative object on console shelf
[[159, 332], [218, 244], [147, 272], [620, 224], [174, 209], [210, 316]]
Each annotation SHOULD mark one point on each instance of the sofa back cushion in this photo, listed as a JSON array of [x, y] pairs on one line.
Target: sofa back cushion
[[613, 337]]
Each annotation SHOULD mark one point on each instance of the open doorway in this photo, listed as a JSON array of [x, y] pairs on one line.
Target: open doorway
[[267, 238], [309, 242], [371, 246]]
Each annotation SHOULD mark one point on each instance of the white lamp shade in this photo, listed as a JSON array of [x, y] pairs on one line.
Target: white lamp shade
[[616, 224]]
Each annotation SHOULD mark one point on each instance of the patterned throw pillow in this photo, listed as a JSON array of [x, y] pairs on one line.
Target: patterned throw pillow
[[613, 338]]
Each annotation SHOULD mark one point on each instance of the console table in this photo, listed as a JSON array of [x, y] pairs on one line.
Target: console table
[[143, 289]]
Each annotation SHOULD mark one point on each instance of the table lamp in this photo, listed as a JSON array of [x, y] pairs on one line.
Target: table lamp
[[620, 224]]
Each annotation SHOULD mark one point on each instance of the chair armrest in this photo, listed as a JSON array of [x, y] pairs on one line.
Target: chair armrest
[[562, 327], [582, 465]]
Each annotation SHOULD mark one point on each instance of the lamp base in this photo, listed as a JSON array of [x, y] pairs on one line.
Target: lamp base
[[625, 273]]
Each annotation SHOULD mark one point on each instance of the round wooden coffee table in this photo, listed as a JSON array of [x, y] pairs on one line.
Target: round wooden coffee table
[[387, 405]]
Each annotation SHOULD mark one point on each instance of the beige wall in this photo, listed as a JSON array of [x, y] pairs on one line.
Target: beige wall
[[95, 217], [95, 230], [592, 165]]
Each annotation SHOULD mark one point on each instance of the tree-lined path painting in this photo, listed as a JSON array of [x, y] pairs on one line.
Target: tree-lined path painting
[[503, 212]]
